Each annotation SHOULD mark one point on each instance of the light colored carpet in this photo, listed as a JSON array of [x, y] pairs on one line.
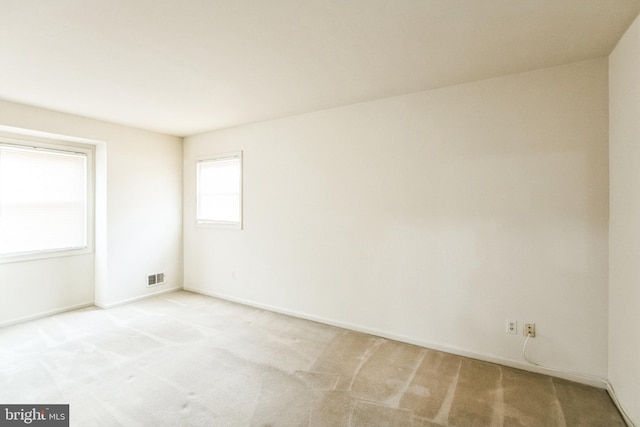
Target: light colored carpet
[[184, 359]]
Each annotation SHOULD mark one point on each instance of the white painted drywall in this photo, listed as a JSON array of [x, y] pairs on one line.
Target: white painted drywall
[[144, 227], [139, 220], [45, 286], [624, 234], [431, 216]]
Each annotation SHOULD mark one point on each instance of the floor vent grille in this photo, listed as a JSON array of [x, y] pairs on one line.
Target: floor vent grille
[[155, 279]]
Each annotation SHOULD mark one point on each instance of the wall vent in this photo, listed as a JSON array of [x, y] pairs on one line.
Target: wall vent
[[155, 279]]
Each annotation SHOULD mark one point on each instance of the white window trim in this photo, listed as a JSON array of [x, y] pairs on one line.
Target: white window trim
[[220, 224], [59, 145]]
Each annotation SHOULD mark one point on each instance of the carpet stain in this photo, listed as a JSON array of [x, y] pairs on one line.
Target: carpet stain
[[183, 359]]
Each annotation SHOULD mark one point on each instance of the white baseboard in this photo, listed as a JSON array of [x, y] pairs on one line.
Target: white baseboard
[[434, 346], [84, 305], [141, 297], [45, 314]]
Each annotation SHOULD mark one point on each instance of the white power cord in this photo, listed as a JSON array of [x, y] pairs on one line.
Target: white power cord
[[606, 383]]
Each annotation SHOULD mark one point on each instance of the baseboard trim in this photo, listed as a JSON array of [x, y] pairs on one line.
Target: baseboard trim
[[396, 337], [45, 314], [139, 298]]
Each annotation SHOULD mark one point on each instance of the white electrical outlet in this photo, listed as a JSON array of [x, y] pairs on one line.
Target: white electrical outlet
[[529, 330], [511, 326]]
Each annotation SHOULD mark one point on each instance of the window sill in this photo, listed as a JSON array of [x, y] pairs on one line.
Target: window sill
[[219, 224], [42, 255]]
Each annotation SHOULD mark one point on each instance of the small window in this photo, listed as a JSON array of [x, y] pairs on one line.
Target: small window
[[219, 190], [44, 199]]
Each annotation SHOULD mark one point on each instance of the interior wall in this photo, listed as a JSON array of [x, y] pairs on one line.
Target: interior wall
[[138, 221], [624, 271], [39, 287], [430, 217], [144, 213]]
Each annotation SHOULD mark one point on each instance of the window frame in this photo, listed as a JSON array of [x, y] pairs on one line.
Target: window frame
[[205, 223], [61, 145]]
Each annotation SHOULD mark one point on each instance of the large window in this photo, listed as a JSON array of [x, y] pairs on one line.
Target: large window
[[219, 190], [44, 198]]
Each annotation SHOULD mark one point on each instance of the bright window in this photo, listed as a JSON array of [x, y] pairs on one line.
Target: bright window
[[219, 190], [44, 199]]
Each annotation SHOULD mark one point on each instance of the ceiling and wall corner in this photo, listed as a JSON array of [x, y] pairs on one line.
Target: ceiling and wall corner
[[183, 68]]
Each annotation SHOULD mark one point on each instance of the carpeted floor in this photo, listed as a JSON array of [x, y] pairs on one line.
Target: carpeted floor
[[183, 359]]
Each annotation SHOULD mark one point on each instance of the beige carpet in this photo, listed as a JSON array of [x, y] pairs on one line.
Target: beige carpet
[[184, 359]]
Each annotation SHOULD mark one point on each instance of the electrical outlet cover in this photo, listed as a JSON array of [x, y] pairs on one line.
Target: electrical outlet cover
[[529, 330]]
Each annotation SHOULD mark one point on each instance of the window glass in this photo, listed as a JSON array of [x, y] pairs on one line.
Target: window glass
[[219, 192], [43, 199]]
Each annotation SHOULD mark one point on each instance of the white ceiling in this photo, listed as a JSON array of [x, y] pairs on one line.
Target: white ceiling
[[186, 66]]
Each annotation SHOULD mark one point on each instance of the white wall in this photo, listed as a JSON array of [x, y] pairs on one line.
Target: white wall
[[144, 212], [624, 239], [139, 229], [45, 286], [431, 216]]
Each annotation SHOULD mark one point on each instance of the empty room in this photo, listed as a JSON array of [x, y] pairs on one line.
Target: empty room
[[320, 213]]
